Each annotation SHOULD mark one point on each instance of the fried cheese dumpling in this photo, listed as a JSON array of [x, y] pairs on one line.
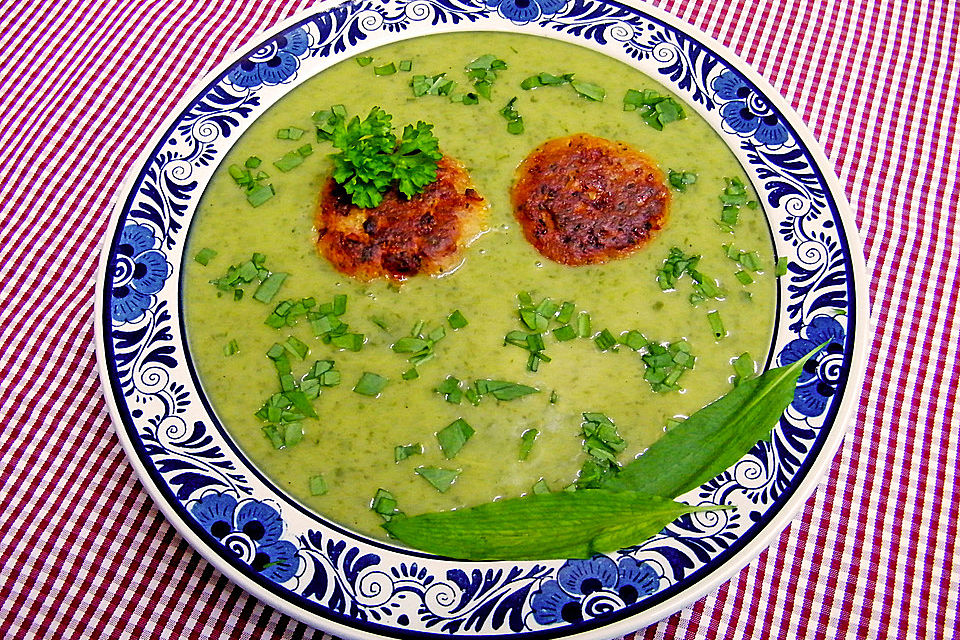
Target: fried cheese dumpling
[[400, 238], [583, 200]]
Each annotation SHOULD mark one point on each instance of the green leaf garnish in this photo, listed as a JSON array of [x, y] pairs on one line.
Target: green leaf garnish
[[404, 451], [512, 116], [454, 436], [385, 505], [782, 264], [231, 348], [318, 486], [385, 69], [370, 384], [372, 158], [590, 91], [527, 438], [441, 479], [716, 325], [502, 390], [680, 180], [580, 524], [364, 60], [457, 320], [269, 287], [744, 367], [205, 255], [655, 109], [713, 438]]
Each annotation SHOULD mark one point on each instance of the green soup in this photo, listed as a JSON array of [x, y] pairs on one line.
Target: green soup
[[352, 443]]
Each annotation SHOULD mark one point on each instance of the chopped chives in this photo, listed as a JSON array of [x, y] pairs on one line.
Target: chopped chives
[[364, 60], [680, 180], [204, 256], [318, 486], [450, 390], [583, 324], [370, 384], [406, 65], [348, 341], [305, 150], [540, 487], [566, 312], [513, 118], [404, 451], [410, 374], [252, 162], [744, 277], [385, 69], [564, 333], [605, 341], [454, 436], [633, 339], [716, 324], [441, 479], [457, 320], [339, 304]]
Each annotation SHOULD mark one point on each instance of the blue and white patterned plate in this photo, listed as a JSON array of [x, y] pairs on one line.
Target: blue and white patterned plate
[[352, 586]]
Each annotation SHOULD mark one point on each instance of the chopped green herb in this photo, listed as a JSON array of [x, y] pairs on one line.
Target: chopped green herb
[[252, 162], [592, 92], [502, 390], [527, 438], [602, 443], [655, 109], [744, 277], [782, 264], [204, 256], [605, 341], [441, 479], [372, 158], [410, 374], [483, 72], [290, 133], [363, 61], [545, 79], [716, 324], [680, 180], [456, 320], [454, 436], [734, 197], [437, 85], [385, 505], [583, 324], [385, 69], [450, 390], [259, 194], [513, 118], [231, 348], [633, 339], [405, 65], [540, 487], [269, 287], [666, 364], [744, 367], [404, 451], [318, 486], [298, 347], [370, 384], [554, 397], [564, 333]]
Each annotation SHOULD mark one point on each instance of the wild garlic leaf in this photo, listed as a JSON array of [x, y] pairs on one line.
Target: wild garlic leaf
[[542, 526], [713, 438]]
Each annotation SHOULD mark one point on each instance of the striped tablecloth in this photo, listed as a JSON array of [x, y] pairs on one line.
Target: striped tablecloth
[[84, 553]]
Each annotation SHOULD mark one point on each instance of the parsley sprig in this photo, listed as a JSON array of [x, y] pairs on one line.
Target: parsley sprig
[[372, 158]]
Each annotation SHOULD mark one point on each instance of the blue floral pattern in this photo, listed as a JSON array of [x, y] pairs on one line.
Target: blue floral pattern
[[817, 382], [524, 11], [748, 113], [139, 271], [251, 531], [609, 584], [273, 63]]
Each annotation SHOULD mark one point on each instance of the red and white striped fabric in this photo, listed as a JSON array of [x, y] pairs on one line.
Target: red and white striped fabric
[[84, 553]]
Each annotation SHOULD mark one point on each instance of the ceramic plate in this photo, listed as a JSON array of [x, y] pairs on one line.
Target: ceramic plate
[[353, 586]]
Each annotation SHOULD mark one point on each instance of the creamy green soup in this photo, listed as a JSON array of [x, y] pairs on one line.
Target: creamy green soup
[[352, 443]]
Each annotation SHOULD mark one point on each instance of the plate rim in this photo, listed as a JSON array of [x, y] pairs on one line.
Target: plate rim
[[816, 472]]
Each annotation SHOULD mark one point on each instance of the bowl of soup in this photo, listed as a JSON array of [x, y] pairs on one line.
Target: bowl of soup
[[452, 269]]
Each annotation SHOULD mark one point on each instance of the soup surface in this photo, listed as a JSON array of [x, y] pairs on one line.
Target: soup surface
[[351, 444]]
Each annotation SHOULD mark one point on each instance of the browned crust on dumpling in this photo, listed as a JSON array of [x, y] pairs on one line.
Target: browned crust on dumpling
[[400, 238], [583, 200]]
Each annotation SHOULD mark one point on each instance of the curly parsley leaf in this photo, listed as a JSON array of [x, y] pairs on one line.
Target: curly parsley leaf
[[372, 159]]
